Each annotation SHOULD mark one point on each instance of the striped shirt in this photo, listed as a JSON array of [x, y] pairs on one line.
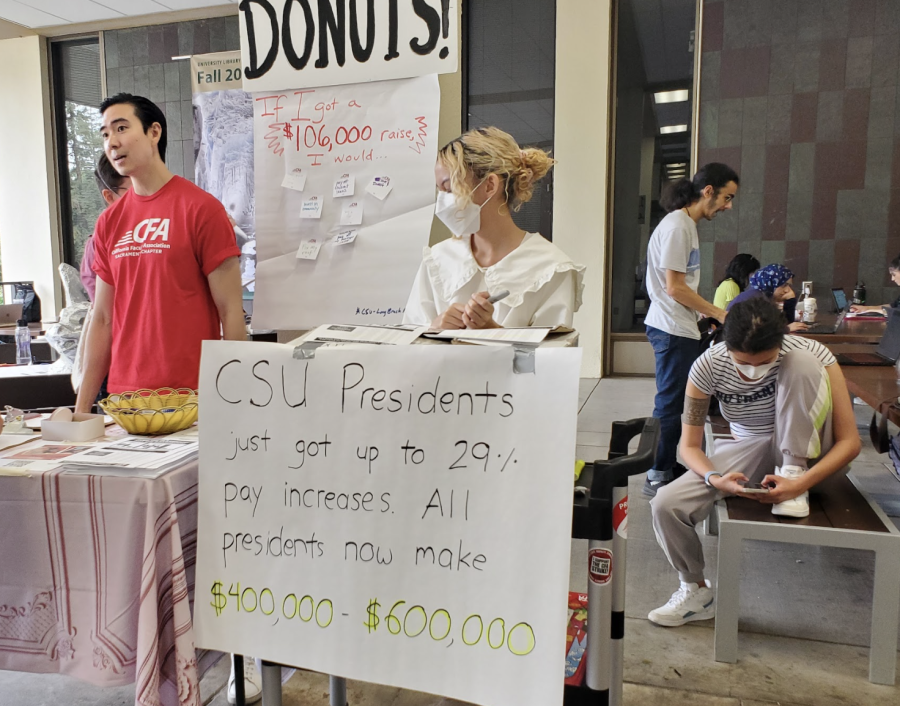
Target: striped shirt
[[748, 406]]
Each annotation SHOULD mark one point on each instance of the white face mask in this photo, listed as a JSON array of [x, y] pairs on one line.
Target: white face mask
[[753, 372], [460, 221]]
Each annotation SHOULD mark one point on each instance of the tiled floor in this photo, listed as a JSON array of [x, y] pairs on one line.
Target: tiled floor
[[805, 612]]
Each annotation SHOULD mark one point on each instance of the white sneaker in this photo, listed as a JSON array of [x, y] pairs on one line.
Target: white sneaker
[[797, 507], [689, 602], [252, 681]]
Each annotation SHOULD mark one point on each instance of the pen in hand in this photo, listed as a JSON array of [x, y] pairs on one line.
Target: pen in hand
[[494, 298]]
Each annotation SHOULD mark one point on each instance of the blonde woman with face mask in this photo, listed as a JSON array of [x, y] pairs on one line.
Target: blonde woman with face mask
[[482, 177]]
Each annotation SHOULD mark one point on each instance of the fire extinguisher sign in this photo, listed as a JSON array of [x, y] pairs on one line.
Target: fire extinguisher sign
[[600, 566]]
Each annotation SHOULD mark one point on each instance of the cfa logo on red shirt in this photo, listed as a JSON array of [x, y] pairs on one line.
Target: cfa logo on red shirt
[[150, 228]]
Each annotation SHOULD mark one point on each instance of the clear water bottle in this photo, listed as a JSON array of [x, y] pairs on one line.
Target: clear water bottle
[[23, 343]]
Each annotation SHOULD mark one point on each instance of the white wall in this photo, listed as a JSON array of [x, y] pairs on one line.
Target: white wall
[[580, 193], [8, 29], [29, 237], [450, 120]]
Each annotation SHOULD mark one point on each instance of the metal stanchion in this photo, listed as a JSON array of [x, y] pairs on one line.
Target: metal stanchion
[[600, 568], [337, 687], [238, 666], [617, 618], [600, 516], [271, 684]]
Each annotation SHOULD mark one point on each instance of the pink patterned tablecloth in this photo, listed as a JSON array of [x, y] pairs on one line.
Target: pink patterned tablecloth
[[96, 578]]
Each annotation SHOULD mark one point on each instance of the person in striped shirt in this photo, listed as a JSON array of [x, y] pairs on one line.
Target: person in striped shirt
[[792, 425]]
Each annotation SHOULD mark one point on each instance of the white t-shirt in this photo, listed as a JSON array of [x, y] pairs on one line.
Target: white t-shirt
[[748, 406], [674, 246], [544, 284]]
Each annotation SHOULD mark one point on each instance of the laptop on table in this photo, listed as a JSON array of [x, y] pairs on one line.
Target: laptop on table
[[10, 314], [841, 305], [888, 350]]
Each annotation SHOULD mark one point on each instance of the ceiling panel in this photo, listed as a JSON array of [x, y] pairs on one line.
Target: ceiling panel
[[191, 4], [14, 11], [664, 30], [74, 10], [139, 7], [48, 13]]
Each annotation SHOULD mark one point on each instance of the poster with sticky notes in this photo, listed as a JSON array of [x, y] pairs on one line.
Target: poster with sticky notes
[[329, 160]]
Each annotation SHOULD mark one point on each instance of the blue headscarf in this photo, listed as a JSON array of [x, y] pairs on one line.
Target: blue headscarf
[[769, 278]]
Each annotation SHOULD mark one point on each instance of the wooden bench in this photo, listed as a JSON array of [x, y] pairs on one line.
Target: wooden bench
[[841, 515]]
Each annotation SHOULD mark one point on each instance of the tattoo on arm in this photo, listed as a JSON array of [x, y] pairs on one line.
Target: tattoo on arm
[[695, 410]]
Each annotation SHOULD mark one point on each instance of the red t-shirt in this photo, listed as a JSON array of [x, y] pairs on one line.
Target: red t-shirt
[[157, 252]]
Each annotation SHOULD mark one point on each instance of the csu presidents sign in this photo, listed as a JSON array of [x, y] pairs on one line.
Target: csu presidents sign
[[308, 43]]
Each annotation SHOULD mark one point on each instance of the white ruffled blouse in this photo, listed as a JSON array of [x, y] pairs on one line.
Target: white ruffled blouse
[[544, 285]]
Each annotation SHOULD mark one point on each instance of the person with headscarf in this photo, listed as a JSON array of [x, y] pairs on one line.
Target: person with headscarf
[[774, 283]]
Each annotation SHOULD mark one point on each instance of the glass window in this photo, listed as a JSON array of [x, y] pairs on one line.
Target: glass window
[[653, 134], [510, 78], [76, 99]]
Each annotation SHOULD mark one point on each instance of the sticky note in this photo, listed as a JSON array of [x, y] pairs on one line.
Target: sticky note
[[346, 237], [309, 250], [294, 179], [344, 186], [311, 207], [352, 214], [380, 187]]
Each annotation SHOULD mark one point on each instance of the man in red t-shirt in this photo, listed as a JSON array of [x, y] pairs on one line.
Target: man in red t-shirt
[[168, 274]]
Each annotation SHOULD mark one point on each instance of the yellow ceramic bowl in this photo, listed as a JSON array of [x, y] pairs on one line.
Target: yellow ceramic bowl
[[162, 411]]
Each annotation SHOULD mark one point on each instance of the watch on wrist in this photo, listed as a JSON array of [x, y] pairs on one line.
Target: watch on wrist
[[708, 475]]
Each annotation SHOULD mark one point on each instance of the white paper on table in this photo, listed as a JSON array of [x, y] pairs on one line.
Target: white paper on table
[[136, 452], [352, 214], [309, 250], [532, 334], [26, 466], [381, 335], [7, 441], [344, 186], [14, 472], [86, 470], [873, 315]]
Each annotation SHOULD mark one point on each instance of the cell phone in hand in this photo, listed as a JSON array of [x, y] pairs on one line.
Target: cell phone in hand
[[755, 488]]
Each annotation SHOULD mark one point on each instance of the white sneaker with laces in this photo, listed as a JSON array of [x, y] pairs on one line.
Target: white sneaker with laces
[[252, 681], [797, 507], [690, 602]]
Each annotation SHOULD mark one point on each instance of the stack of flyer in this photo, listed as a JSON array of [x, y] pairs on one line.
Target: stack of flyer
[[134, 456]]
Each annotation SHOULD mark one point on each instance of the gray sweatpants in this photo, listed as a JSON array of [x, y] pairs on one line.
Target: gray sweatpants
[[803, 430]]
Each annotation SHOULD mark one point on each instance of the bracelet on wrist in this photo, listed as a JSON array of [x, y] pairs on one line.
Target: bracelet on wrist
[[709, 475]]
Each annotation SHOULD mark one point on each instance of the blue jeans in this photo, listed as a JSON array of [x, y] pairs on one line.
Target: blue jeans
[[674, 357]]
